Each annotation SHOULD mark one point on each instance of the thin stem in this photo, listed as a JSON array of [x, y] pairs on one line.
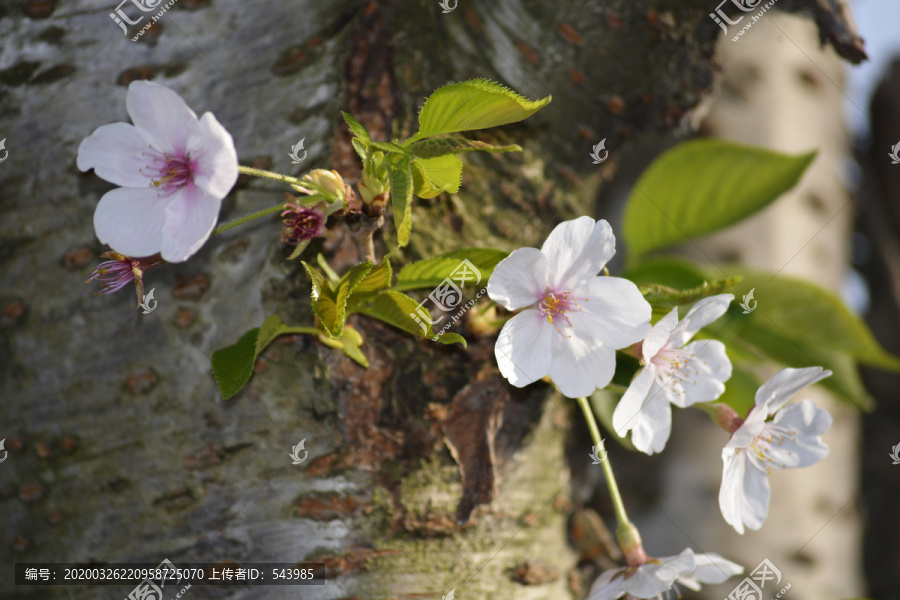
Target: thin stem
[[614, 387], [607, 469], [248, 218], [269, 175]]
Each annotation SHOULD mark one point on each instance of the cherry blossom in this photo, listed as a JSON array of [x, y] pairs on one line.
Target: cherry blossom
[[657, 576], [173, 168], [790, 440], [574, 320], [673, 372]]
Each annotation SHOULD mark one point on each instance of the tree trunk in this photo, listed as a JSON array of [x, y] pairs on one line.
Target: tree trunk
[[122, 449]]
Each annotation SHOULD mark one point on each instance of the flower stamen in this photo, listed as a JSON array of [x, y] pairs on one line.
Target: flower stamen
[[556, 305]]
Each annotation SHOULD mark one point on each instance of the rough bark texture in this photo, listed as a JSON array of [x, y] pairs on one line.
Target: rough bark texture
[[121, 448]]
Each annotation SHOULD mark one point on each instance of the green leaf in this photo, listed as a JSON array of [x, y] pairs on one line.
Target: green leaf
[[356, 128], [400, 311], [298, 249], [349, 343], [433, 176], [798, 324], [388, 147], [361, 150], [401, 199], [377, 279], [773, 345], [666, 298], [329, 299], [323, 298], [810, 315], [471, 105], [701, 186], [433, 147], [668, 271], [271, 328], [233, 365], [431, 272]]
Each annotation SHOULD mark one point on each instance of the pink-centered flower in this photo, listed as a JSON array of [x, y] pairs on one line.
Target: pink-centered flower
[[657, 576], [791, 440], [574, 320], [173, 168], [675, 372]]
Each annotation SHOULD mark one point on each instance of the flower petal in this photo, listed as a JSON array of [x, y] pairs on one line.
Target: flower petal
[[214, 162], [580, 364], [705, 373], [118, 154], [615, 312], [652, 579], [752, 426], [701, 314], [523, 348], [659, 335], [744, 495], [130, 221], [709, 568], [191, 216], [520, 279], [795, 435], [632, 400], [652, 425], [161, 112], [578, 249], [784, 384], [608, 586]]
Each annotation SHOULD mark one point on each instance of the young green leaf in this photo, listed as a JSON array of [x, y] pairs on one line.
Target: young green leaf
[[388, 148], [433, 176], [402, 312], [349, 343], [431, 272], [432, 147], [378, 279], [356, 128], [471, 105], [401, 199], [329, 299], [324, 300], [666, 298], [701, 186], [233, 365]]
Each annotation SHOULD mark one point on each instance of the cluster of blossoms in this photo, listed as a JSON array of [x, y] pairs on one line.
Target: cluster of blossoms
[[572, 322], [174, 169]]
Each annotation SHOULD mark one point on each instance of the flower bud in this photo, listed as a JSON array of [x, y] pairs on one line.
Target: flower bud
[[330, 184]]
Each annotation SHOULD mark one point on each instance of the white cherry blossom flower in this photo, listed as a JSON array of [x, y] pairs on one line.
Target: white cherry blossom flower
[[173, 168], [658, 576], [674, 372], [574, 320], [791, 440]]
